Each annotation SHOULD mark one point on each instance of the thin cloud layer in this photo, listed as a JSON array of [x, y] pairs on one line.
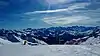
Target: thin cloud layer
[[63, 20], [55, 2], [73, 14], [70, 8], [45, 13], [60, 18]]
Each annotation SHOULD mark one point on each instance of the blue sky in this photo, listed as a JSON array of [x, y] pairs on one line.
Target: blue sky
[[16, 14]]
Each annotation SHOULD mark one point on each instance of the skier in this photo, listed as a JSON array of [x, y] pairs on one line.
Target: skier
[[25, 42]]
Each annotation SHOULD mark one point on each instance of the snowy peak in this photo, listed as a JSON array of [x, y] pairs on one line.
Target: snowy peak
[[74, 35]]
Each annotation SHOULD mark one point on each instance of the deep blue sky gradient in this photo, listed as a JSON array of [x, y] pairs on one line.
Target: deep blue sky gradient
[[16, 14]]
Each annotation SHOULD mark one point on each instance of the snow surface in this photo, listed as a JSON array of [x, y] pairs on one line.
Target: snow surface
[[2, 41], [49, 50], [92, 41]]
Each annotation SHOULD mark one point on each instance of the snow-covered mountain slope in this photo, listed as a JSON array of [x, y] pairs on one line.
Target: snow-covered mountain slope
[[40, 41], [50, 50], [2, 41], [55, 35], [92, 41]]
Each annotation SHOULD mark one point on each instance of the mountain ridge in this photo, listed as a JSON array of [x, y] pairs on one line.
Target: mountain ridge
[[74, 35]]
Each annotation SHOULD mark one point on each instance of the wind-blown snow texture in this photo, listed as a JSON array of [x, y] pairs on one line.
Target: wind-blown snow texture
[[50, 50], [74, 35]]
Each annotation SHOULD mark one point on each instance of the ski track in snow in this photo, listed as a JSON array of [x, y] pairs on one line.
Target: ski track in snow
[[49, 50]]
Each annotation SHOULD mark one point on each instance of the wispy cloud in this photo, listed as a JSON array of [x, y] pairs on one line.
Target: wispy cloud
[[88, 22], [61, 20], [69, 9], [60, 17], [54, 2]]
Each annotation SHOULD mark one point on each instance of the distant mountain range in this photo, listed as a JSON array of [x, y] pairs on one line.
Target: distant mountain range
[[74, 35]]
